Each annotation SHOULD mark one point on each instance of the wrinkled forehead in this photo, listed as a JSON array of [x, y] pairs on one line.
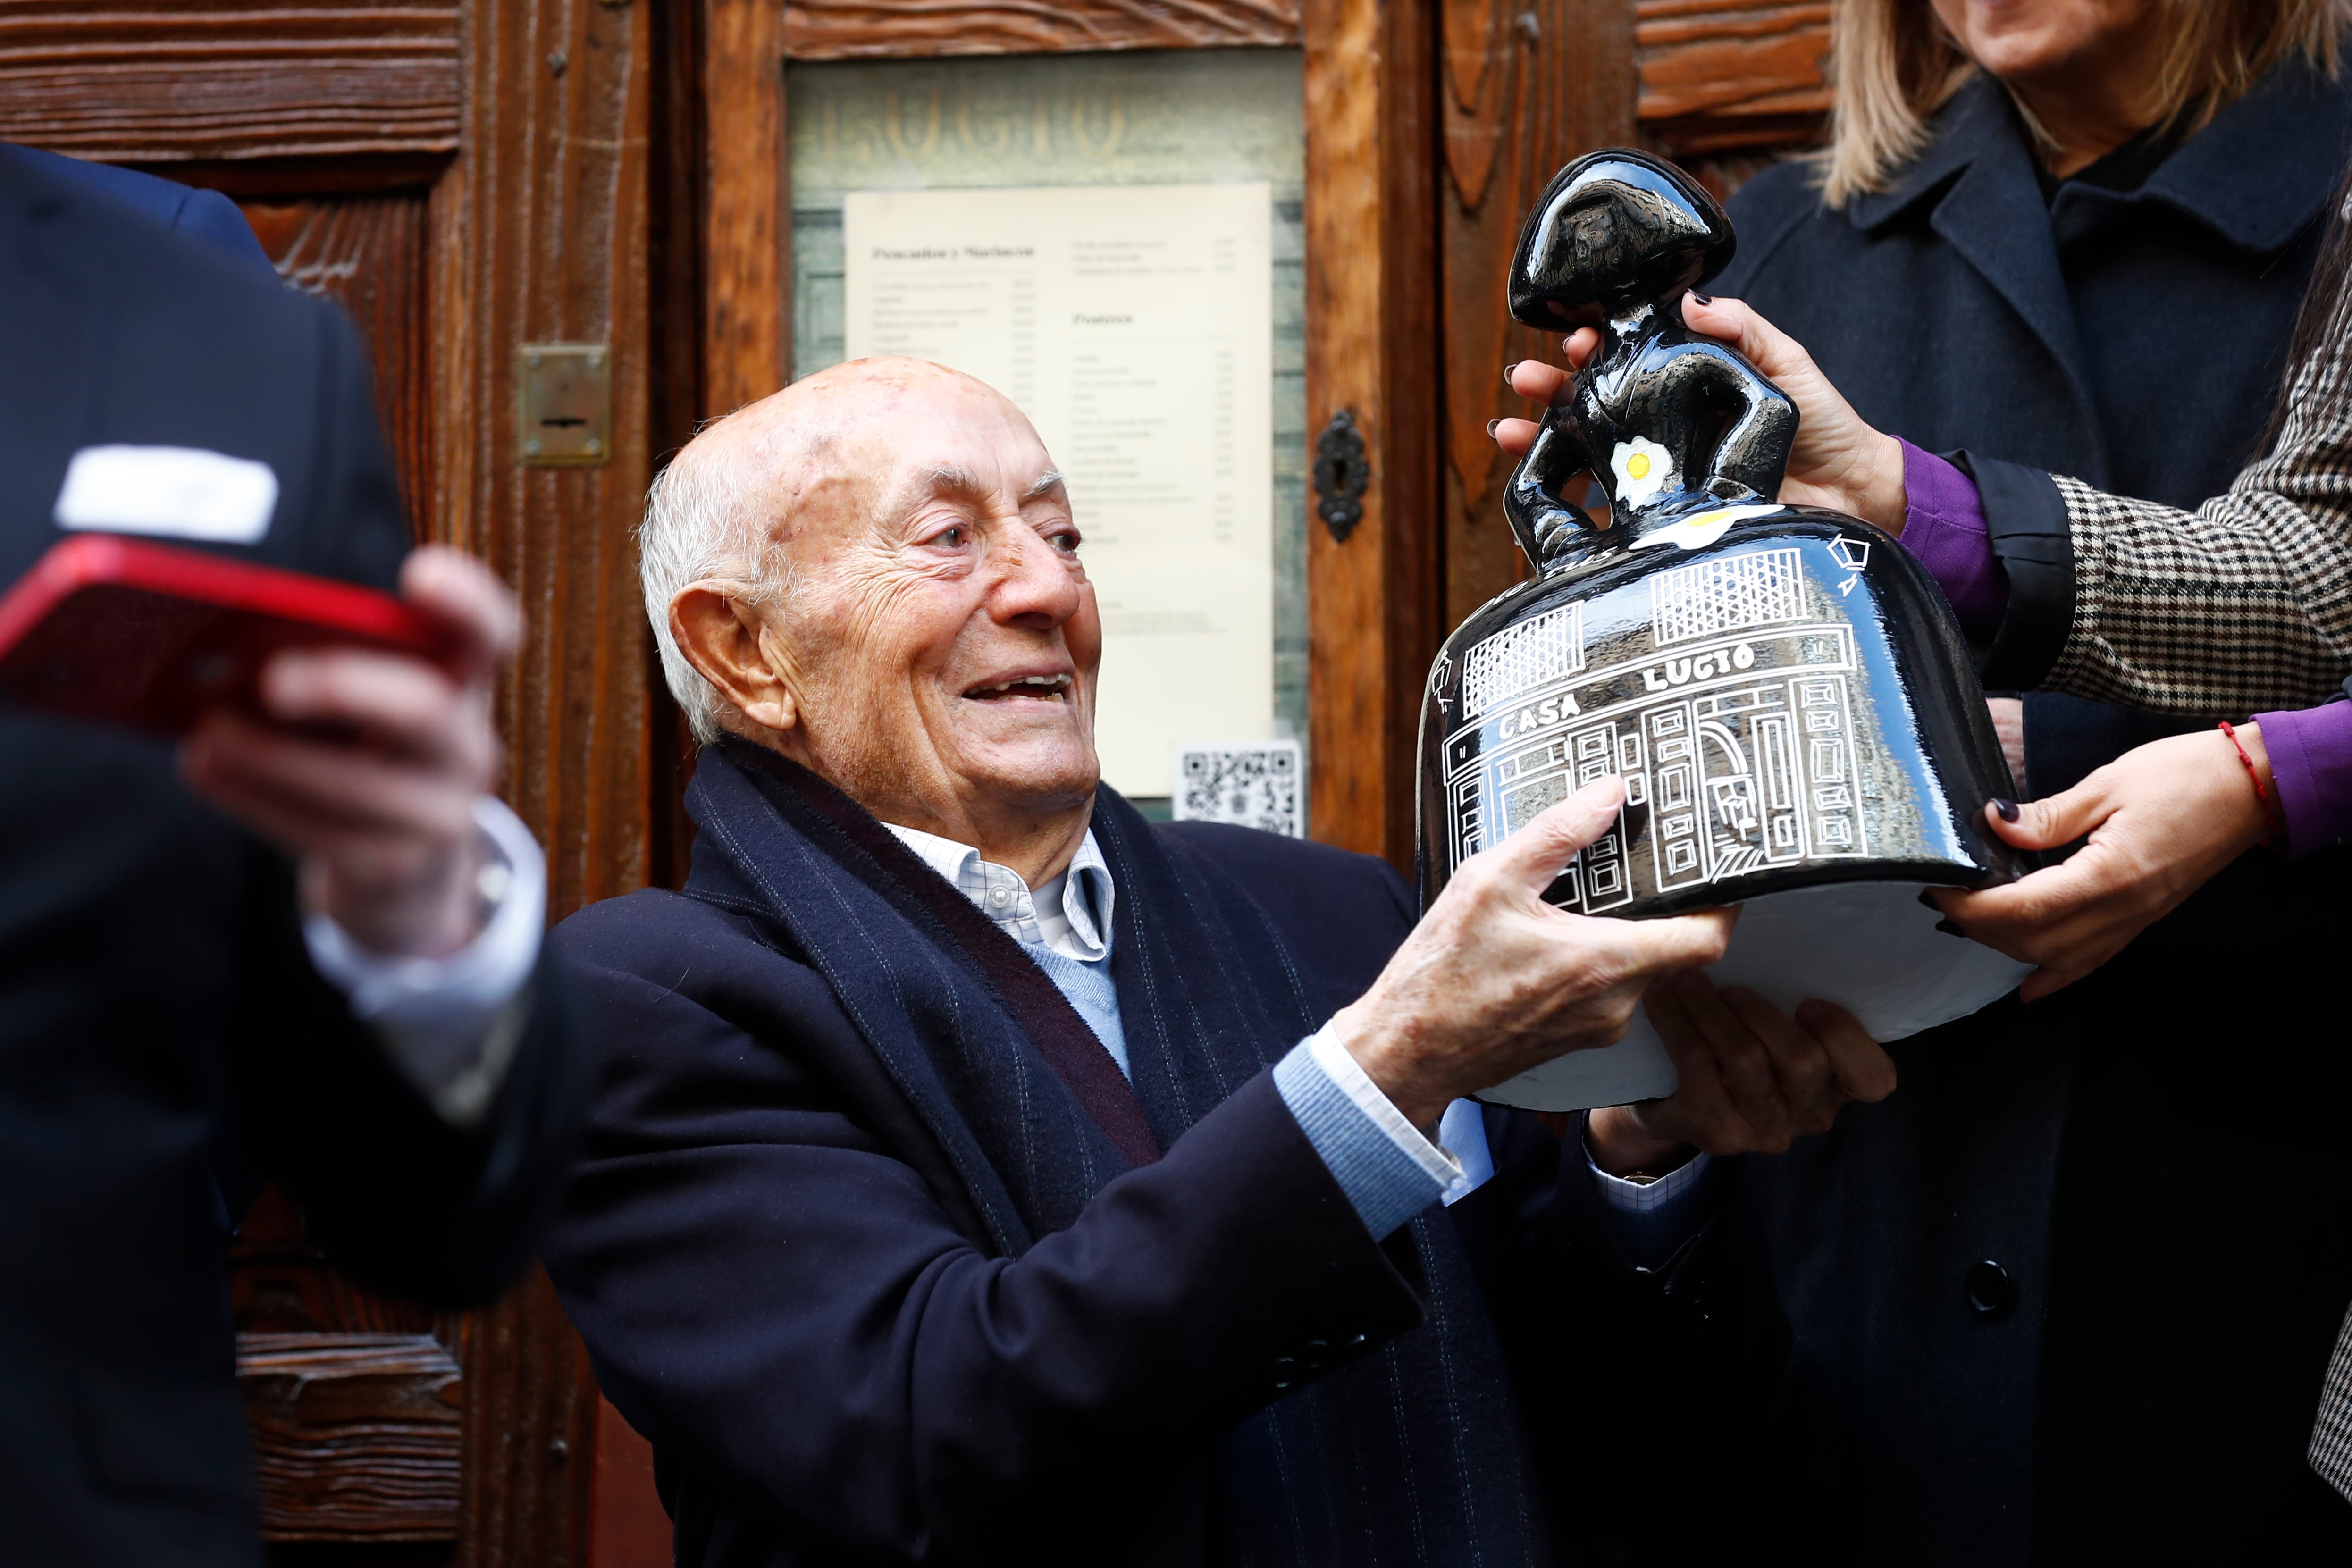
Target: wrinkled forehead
[[862, 447], [964, 485], [956, 442]]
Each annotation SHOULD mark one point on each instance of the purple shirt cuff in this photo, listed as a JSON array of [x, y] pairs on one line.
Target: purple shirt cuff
[[2311, 763], [1944, 527]]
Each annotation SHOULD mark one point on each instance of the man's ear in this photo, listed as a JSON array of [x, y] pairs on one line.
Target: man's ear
[[719, 635]]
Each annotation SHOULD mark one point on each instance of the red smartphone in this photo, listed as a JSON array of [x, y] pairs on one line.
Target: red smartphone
[[151, 636]]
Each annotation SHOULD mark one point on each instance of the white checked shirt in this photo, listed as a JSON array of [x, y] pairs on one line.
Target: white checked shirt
[[1061, 916], [1389, 1171]]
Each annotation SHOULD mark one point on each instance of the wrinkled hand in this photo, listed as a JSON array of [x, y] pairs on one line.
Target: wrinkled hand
[[1754, 1079], [1838, 461], [382, 823], [2162, 819], [1494, 980]]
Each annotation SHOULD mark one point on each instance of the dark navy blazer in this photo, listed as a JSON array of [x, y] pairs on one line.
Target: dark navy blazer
[[2043, 1304], [156, 1002], [207, 217], [782, 1269]]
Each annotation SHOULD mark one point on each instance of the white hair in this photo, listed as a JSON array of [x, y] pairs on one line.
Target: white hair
[[704, 521]]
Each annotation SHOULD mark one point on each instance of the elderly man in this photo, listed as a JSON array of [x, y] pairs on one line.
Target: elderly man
[[980, 1172]]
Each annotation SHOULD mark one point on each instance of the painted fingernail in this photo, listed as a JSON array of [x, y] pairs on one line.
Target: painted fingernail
[[1929, 900], [1492, 424], [1702, 299], [1510, 370], [2008, 810], [1948, 929]]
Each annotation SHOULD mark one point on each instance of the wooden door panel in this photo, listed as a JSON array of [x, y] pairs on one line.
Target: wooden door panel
[[369, 255], [355, 1435], [280, 1284], [199, 80], [1730, 75], [1727, 86], [903, 29], [1375, 336], [541, 233], [353, 1399]]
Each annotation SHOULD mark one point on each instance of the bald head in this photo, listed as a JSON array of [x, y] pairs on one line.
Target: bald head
[[823, 452], [838, 425], [876, 572]]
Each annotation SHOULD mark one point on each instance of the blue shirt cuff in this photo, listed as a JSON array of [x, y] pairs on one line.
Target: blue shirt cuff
[[1387, 1170], [1651, 1220], [1462, 1132]]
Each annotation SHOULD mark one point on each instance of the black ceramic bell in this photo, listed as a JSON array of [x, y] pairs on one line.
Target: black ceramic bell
[[1783, 689]]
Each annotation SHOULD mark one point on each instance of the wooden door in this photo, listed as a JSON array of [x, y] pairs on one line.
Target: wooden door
[[465, 178]]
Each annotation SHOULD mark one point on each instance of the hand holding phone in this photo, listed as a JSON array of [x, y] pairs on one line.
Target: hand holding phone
[[380, 816], [151, 635], [350, 727]]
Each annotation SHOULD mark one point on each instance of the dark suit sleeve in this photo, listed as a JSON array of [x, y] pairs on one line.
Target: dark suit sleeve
[[2027, 522], [786, 1309], [1639, 1387], [205, 216], [353, 525], [404, 1201], [209, 217]]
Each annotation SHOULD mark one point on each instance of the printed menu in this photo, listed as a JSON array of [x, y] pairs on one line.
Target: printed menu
[[1133, 324]]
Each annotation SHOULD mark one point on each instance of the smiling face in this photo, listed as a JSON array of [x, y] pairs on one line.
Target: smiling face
[[2045, 42], [936, 656]]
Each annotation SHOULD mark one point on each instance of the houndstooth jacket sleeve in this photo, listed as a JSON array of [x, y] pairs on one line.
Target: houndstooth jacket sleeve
[[2242, 605], [2331, 1435]]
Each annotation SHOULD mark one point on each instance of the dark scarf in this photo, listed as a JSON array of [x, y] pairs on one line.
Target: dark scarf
[[1411, 1456]]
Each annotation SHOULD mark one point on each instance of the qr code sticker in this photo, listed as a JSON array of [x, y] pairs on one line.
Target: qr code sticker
[[1253, 786]]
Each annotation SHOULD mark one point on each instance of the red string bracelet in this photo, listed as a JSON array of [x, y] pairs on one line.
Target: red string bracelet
[[2261, 794]]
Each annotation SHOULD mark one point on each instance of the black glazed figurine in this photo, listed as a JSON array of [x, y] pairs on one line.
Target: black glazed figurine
[[1783, 688]]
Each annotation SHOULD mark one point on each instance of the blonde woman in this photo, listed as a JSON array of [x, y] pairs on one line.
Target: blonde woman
[[2063, 1296]]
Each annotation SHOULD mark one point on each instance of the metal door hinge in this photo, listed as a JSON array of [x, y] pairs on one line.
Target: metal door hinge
[[564, 404], [1343, 472]]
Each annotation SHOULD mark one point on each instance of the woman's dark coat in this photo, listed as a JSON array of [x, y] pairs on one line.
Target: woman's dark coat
[[2068, 1295]]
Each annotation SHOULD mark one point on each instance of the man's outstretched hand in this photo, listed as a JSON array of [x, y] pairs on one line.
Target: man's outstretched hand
[[382, 823], [1754, 1079], [1494, 980]]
